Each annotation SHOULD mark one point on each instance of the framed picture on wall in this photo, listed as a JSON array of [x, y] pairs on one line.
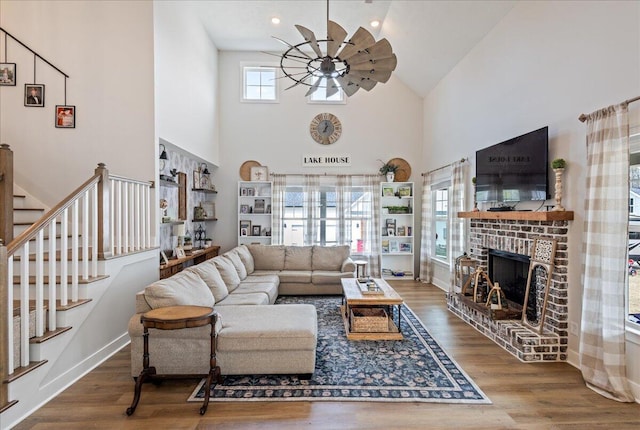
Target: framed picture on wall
[[8, 74], [34, 95], [65, 116]]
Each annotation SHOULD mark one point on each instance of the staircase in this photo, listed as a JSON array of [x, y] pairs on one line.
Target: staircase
[[68, 276]]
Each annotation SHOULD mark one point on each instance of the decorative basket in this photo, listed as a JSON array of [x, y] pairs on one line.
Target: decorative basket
[[369, 320]]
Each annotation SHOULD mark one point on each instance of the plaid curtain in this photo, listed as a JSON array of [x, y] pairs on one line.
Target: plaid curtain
[[277, 208], [311, 208], [372, 229], [426, 270], [343, 209], [602, 340], [457, 225]]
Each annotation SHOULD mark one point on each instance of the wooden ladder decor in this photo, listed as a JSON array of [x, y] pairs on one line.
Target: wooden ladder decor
[[542, 255]]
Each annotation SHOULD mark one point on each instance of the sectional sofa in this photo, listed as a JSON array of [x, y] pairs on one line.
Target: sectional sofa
[[253, 335]]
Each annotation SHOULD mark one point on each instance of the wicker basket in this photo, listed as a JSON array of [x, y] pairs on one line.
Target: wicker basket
[[369, 320]]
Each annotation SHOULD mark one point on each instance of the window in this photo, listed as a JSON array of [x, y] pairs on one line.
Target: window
[[313, 217], [441, 222], [633, 291], [320, 96], [260, 84]]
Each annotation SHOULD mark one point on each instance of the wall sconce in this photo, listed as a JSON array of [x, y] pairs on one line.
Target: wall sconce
[[163, 160]]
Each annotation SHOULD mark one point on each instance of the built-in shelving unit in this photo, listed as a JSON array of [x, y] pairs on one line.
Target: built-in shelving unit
[[254, 212], [397, 229]]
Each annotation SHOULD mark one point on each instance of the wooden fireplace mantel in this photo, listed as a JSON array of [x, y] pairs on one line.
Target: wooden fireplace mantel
[[520, 215]]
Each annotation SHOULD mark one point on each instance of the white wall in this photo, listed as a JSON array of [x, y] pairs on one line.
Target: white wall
[[106, 48], [186, 74], [544, 64], [381, 124]]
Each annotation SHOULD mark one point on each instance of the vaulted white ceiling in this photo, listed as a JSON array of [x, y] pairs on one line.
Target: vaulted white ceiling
[[428, 37]]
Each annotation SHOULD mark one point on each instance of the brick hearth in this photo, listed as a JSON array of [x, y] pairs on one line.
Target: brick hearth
[[492, 231]]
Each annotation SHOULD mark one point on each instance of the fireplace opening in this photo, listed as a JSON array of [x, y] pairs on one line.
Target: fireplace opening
[[510, 271]]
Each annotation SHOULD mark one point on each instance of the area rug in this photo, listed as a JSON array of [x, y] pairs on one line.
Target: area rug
[[415, 369]]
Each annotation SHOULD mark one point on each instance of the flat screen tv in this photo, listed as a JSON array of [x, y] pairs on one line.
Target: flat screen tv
[[514, 170]]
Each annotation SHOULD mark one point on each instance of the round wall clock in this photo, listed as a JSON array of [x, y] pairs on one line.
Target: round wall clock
[[325, 128]]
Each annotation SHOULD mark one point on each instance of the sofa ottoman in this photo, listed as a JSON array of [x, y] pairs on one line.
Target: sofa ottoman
[[278, 339]]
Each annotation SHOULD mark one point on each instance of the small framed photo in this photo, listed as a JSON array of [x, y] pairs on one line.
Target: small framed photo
[[196, 179], [65, 116], [244, 232], [259, 173], [404, 191], [251, 191], [34, 95], [165, 260], [245, 227], [243, 191], [400, 231], [179, 252], [393, 246], [405, 247], [8, 74], [387, 191], [244, 209], [391, 231], [256, 230]]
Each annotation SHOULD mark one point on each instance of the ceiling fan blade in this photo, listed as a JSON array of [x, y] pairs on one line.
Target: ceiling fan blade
[[361, 39], [374, 75], [383, 65], [332, 88], [336, 35], [347, 85], [311, 38], [292, 47], [298, 82], [381, 49], [314, 87]]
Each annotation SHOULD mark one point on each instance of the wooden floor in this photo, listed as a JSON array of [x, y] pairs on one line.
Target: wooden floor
[[524, 396]]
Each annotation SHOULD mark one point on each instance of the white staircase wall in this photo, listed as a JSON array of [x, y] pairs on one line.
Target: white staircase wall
[[99, 331]]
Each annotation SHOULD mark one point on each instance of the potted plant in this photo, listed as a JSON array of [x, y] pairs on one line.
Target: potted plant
[[207, 242], [389, 170], [558, 166]]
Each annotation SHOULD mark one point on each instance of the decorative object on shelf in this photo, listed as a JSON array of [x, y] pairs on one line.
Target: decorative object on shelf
[[361, 63], [162, 164], [199, 213], [196, 179], [256, 230], [179, 231], [259, 173], [403, 170], [198, 236], [209, 209], [558, 166], [179, 252], [479, 289], [164, 204], [208, 242], [325, 128], [245, 169], [389, 170], [34, 95], [465, 268], [165, 260], [475, 200], [8, 74], [65, 116]]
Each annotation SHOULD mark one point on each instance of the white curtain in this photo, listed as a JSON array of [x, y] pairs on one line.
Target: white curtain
[[372, 229], [277, 208], [311, 208], [426, 242], [457, 226], [602, 340], [343, 209]]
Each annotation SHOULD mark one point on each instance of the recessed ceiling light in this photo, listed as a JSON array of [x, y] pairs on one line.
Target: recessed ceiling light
[[275, 20], [375, 23]]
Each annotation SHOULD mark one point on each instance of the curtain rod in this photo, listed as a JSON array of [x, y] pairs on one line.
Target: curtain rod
[[443, 167], [323, 174], [583, 117]]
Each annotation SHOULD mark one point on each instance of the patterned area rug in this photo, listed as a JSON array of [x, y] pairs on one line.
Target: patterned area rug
[[415, 369]]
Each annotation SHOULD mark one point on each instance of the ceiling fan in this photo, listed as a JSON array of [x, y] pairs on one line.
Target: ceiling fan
[[360, 62]]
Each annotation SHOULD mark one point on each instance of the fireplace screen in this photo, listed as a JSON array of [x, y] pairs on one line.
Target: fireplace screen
[[510, 271]]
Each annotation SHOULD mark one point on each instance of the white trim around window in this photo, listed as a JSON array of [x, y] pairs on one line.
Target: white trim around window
[[260, 83]]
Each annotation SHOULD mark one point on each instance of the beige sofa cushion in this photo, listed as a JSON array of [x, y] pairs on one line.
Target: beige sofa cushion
[[297, 257], [295, 276], [244, 299], [323, 277], [270, 290], [184, 288], [329, 257], [246, 257], [227, 271], [267, 257], [237, 263], [210, 275]]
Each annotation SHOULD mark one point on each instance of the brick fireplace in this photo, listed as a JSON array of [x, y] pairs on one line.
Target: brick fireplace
[[513, 233]]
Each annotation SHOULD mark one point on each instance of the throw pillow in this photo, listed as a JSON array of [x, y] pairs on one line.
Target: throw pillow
[[182, 289], [237, 263], [246, 257], [297, 257], [329, 257], [227, 271], [210, 275]]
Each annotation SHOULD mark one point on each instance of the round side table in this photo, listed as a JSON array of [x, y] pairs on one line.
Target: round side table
[[361, 268], [174, 318]]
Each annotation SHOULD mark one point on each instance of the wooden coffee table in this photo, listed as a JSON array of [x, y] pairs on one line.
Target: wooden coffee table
[[354, 298]]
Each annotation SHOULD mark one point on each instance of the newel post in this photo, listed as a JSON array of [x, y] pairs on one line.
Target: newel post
[[6, 193], [104, 212]]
